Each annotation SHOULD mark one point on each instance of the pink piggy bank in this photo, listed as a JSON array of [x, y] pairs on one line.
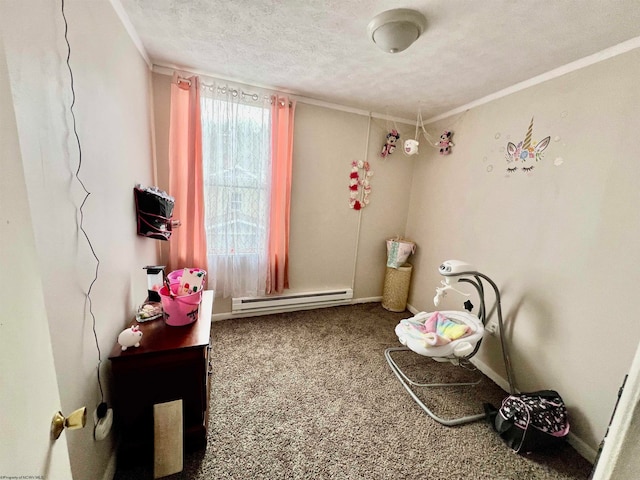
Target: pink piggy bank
[[130, 337]]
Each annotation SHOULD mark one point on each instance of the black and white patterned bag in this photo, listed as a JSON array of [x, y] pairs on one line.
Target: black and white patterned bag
[[531, 421]]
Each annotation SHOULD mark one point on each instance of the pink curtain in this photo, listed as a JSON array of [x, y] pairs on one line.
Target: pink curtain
[[188, 243], [282, 110]]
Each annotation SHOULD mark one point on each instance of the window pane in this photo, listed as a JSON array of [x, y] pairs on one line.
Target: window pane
[[236, 157]]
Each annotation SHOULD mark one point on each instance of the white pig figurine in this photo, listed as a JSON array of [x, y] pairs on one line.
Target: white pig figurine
[[130, 337]]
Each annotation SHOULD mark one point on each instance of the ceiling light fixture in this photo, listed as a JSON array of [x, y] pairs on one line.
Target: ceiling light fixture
[[394, 30]]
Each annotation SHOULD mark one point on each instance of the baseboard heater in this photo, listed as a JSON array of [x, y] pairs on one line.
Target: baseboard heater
[[293, 301]]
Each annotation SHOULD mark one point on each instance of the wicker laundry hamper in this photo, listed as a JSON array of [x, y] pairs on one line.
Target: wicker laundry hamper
[[396, 288]]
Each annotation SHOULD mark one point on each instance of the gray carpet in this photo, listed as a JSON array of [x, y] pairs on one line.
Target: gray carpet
[[310, 395]]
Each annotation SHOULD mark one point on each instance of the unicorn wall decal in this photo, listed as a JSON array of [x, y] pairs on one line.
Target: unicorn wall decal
[[525, 154]]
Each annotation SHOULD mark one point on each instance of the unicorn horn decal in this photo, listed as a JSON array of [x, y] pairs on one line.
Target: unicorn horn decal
[[519, 156], [527, 139]]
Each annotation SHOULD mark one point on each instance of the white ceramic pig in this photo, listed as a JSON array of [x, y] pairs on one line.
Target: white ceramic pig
[[130, 337]]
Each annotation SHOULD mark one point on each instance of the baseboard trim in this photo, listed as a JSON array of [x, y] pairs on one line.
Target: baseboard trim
[[412, 309], [110, 472], [576, 442], [491, 373], [366, 300], [582, 448]]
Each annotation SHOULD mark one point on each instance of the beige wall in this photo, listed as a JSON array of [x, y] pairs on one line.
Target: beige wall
[[112, 112], [161, 87], [324, 229], [561, 243]]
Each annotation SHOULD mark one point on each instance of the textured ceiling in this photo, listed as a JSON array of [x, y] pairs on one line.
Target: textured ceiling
[[320, 48]]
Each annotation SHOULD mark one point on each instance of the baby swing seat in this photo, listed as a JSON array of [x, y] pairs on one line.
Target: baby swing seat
[[448, 336], [449, 352], [455, 351]]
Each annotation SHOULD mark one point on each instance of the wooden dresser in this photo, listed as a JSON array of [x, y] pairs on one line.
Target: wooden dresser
[[171, 363]]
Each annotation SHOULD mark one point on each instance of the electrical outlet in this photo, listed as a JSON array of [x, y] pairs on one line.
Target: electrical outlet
[[102, 425], [492, 327]]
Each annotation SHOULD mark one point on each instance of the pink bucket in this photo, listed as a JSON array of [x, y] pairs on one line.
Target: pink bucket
[[181, 310]]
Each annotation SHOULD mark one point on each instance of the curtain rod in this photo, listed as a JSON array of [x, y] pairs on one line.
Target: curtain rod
[[169, 70], [226, 90]]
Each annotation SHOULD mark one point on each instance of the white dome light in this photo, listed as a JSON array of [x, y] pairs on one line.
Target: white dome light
[[394, 30]]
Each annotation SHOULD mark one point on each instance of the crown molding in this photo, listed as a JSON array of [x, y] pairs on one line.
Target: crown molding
[[605, 54], [126, 22]]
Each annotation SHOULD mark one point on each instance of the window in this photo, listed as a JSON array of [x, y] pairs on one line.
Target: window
[[236, 201], [236, 139]]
